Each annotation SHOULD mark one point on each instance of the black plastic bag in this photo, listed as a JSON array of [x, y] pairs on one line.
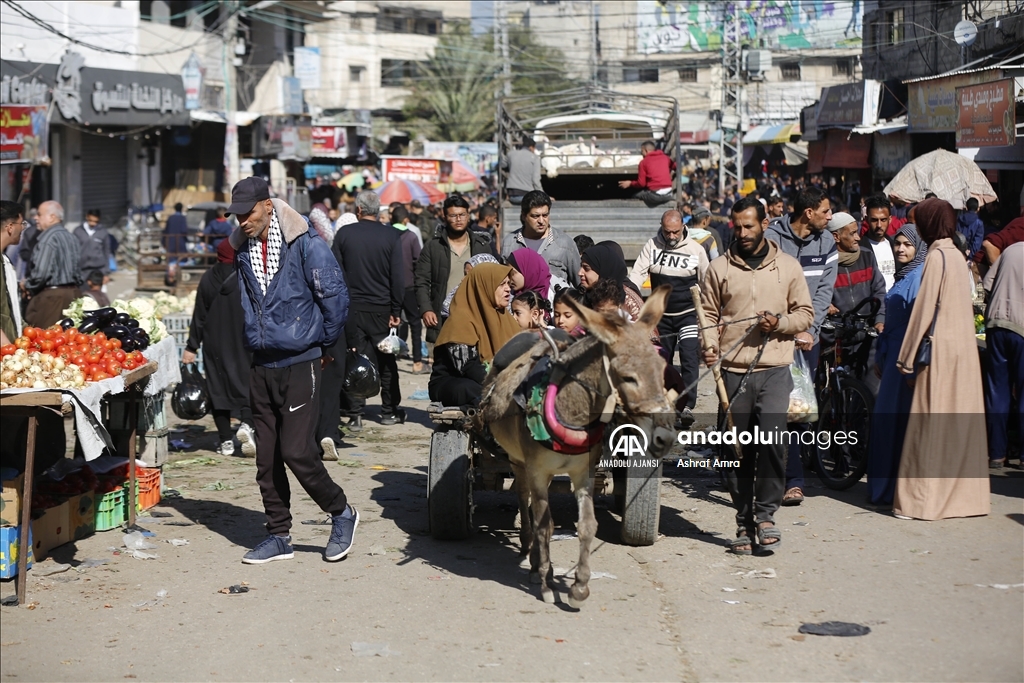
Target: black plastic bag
[[190, 400], [361, 377]]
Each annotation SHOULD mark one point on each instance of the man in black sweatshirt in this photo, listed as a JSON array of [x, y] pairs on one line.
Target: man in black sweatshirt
[[370, 257]]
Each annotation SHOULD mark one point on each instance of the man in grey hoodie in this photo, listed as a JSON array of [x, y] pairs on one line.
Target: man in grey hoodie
[[802, 235]]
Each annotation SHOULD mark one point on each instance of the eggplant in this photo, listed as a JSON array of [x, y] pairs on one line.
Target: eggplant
[[106, 315], [67, 324], [116, 331], [128, 344], [122, 318], [131, 322], [89, 326], [139, 332]]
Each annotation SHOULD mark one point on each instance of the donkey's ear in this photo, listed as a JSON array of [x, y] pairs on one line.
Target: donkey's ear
[[654, 307], [605, 327]]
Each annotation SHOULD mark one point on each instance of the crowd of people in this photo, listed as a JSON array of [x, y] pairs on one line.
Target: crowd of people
[[311, 294]]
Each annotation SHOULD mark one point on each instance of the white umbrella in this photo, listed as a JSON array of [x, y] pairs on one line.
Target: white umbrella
[[950, 176]]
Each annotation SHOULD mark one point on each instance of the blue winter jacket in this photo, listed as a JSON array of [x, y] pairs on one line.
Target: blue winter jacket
[[973, 229], [306, 304]]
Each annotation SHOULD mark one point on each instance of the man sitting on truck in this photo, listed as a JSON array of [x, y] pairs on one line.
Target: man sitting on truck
[[654, 176]]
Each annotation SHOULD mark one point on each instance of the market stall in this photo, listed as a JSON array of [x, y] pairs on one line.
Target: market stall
[[76, 368]]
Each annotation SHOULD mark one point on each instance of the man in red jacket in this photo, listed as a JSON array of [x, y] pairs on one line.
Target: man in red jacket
[[654, 176]]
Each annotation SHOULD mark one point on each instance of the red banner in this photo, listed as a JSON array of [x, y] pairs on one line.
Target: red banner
[[329, 141], [411, 168], [986, 115], [23, 133]]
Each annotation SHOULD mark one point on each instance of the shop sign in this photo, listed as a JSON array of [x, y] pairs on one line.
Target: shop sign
[[23, 133], [986, 115], [931, 105], [809, 123], [329, 141], [849, 105], [891, 153], [279, 137], [96, 96], [296, 143], [411, 168], [192, 81], [291, 95], [480, 157], [307, 67]]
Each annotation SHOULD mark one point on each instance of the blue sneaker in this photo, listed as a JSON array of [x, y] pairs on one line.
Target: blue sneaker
[[274, 548], [343, 532]]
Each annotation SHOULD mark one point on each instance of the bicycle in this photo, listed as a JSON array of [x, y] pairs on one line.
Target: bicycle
[[845, 402]]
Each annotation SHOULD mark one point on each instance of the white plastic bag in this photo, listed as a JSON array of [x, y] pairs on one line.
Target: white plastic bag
[[390, 344], [803, 405]]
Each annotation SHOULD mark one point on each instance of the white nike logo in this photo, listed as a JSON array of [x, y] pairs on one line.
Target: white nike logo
[[292, 409]]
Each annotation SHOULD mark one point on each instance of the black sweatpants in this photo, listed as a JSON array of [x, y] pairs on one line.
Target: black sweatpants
[[414, 324], [680, 332], [364, 330], [222, 419], [758, 484], [332, 381], [285, 406]]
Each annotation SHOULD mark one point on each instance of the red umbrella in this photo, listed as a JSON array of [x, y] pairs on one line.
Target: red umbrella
[[405, 191]]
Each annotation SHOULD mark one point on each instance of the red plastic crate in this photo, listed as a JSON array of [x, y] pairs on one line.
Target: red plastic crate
[[148, 480]]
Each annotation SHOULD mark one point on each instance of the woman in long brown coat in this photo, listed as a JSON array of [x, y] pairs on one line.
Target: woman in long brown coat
[[944, 469]]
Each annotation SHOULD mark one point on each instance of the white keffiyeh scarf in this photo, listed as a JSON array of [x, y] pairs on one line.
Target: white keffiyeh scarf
[[273, 263]]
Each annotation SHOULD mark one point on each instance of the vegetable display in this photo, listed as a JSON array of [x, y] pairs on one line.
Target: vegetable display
[[65, 358], [140, 313]]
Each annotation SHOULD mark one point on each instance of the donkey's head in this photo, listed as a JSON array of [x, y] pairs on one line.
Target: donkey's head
[[636, 369]]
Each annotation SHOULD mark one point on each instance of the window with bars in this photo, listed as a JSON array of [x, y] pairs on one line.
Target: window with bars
[[688, 75], [895, 27], [632, 74], [843, 67], [395, 73], [790, 72]]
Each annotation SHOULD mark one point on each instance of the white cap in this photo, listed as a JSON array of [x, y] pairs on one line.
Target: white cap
[[840, 220]]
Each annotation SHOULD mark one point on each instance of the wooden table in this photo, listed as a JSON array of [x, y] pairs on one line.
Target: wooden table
[[28, 405]]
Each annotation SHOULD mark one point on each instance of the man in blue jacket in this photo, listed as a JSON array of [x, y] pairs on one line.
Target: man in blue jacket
[[295, 303], [971, 227]]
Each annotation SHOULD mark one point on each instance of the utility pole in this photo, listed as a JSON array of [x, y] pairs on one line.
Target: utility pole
[[231, 165], [501, 14], [733, 97]]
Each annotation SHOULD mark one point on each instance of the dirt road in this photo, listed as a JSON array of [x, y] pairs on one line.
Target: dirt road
[[944, 600]]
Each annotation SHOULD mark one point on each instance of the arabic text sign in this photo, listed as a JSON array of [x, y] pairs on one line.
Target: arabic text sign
[[410, 168], [329, 140], [986, 115], [307, 67], [480, 157], [931, 105], [23, 133]]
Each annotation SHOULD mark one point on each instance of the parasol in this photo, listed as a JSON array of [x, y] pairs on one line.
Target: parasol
[[352, 180], [462, 179], [405, 191], [950, 176]]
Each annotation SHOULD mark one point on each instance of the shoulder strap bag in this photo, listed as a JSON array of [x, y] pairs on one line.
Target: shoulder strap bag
[[924, 351]]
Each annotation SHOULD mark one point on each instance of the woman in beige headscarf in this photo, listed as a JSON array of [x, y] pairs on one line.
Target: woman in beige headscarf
[[944, 467], [479, 324]]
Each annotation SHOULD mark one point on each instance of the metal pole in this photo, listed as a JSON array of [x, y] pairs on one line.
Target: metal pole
[[231, 165], [506, 65]]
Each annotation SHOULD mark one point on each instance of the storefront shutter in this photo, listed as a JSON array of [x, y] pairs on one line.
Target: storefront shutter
[[105, 177]]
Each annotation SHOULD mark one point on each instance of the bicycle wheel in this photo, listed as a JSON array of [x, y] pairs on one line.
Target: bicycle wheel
[[846, 416]]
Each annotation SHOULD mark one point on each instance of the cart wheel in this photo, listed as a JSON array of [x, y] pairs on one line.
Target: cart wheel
[[449, 490], [642, 505]]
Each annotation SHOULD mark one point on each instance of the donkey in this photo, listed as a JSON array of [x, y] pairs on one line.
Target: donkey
[[614, 367]]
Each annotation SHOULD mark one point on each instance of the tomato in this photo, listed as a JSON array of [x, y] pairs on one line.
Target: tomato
[[30, 332], [108, 345], [59, 339], [100, 337], [46, 345], [79, 360], [112, 367], [128, 364], [48, 334], [82, 347], [119, 355], [100, 376], [8, 349], [93, 357], [115, 343]]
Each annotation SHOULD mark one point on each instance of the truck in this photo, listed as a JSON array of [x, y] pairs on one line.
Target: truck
[[588, 140]]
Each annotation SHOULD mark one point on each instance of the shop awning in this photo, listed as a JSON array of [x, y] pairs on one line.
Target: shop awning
[[884, 128], [242, 118], [771, 135]]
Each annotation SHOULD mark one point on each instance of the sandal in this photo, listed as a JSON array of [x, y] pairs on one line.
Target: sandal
[[742, 538], [769, 532], [793, 496]]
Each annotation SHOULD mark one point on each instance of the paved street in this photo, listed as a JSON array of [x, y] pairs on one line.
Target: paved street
[[944, 600]]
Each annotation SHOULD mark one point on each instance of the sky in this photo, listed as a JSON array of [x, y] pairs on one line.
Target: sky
[[481, 15]]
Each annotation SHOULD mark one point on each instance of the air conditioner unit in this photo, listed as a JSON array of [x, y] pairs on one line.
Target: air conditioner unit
[[758, 62]]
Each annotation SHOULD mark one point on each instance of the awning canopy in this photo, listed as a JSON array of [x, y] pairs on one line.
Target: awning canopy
[[884, 128], [242, 118], [771, 135]]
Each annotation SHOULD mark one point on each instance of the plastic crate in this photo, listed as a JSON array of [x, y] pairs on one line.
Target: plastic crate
[[147, 491], [177, 325], [111, 509]]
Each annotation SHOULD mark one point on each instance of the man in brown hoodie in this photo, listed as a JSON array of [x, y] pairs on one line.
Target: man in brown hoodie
[[755, 278]]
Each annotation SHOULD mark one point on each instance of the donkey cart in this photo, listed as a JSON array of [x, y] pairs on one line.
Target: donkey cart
[[462, 462]]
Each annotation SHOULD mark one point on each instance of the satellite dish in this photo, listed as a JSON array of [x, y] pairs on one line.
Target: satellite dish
[[965, 33]]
